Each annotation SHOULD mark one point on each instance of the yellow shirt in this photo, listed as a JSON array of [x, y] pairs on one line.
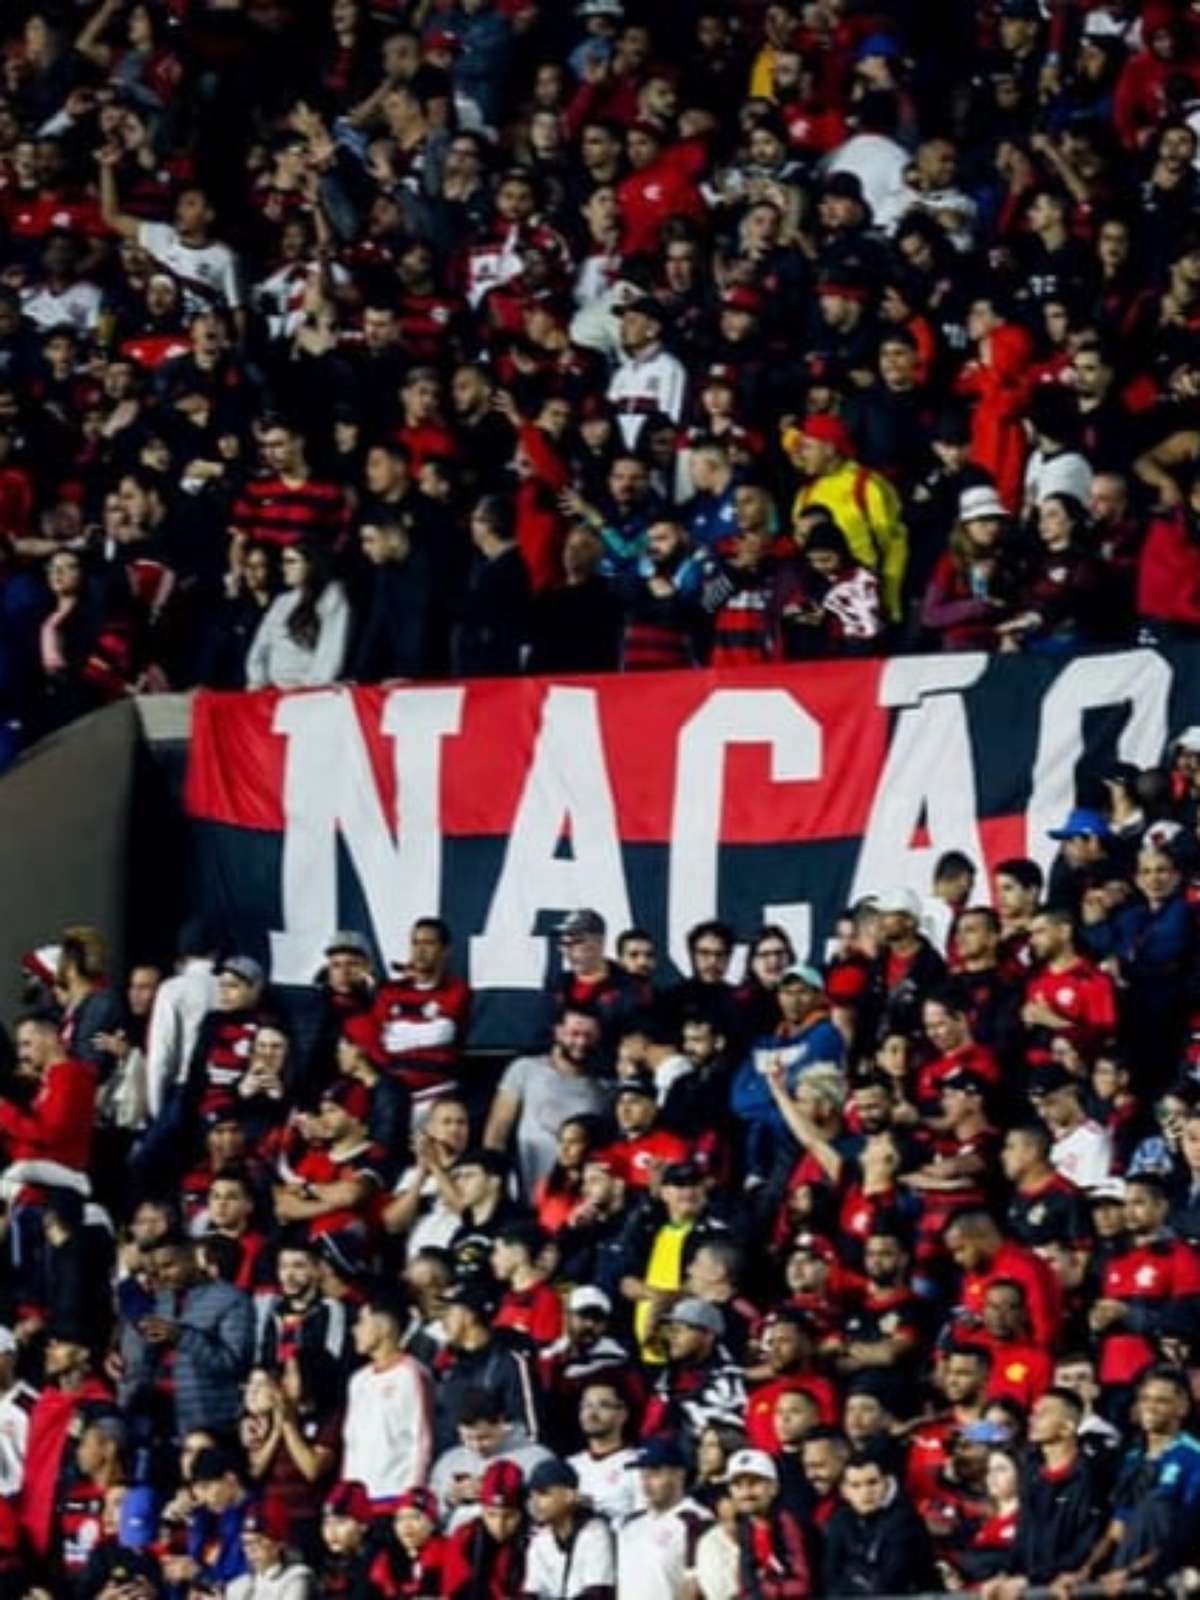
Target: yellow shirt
[[664, 1270], [867, 509]]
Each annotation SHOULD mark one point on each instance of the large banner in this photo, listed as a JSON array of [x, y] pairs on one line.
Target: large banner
[[770, 794]]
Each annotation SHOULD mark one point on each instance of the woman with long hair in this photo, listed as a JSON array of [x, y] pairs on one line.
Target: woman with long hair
[[84, 653], [1062, 586], [971, 589], [250, 587], [560, 1193], [301, 641]]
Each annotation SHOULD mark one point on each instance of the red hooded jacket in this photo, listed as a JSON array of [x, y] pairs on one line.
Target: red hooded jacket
[[1002, 385], [58, 1125], [1168, 571]]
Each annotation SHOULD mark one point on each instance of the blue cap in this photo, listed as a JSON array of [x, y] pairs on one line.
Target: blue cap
[[552, 1474], [661, 1451], [986, 1433], [878, 44], [138, 1521], [1080, 824]]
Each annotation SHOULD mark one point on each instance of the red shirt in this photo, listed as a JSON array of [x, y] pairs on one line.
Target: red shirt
[[969, 1057], [1020, 1372], [1168, 1269], [536, 1312], [58, 1124], [760, 1410], [320, 1165], [403, 1006], [636, 1159], [1043, 1296], [284, 513], [1082, 996]]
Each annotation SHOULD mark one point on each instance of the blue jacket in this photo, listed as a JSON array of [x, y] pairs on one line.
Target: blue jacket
[[818, 1041], [481, 69], [1149, 944], [213, 1354], [215, 1542]]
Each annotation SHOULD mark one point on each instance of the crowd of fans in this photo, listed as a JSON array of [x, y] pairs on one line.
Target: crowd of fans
[[869, 1277], [391, 338], [396, 338]]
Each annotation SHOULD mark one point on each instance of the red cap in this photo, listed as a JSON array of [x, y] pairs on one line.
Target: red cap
[[829, 430], [270, 1519], [353, 1097], [442, 39], [503, 1484], [348, 1499], [363, 1034], [742, 298], [422, 1500], [814, 1244], [722, 373]]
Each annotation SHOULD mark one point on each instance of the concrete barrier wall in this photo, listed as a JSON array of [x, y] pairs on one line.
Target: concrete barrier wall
[[64, 837]]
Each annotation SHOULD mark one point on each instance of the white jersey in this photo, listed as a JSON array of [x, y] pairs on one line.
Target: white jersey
[[717, 1559], [1064, 472], [610, 1484], [656, 1550], [78, 306], [207, 276], [555, 1571], [1085, 1155], [644, 384], [180, 1006], [879, 164], [291, 1582], [388, 1432], [15, 1407]]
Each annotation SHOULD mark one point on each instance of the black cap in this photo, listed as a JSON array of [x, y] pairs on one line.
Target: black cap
[[963, 1078], [1050, 1078], [211, 1463], [639, 1083], [844, 186], [474, 1294], [683, 1174], [494, 1162], [553, 1474]]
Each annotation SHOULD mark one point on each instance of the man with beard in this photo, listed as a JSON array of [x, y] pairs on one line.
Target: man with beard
[[299, 1323], [906, 970], [604, 1465], [422, 1013], [344, 989], [887, 1327], [663, 615], [991, 997], [1043, 1205], [485, 1558]]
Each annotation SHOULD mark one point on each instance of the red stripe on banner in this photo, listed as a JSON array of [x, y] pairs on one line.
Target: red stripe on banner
[[237, 760], [1002, 838]]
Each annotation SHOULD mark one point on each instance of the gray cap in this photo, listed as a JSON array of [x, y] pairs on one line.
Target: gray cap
[[584, 921], [244, 967], [351, 941], [696, 1313]]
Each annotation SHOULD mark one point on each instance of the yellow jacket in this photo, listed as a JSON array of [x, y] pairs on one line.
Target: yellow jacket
[[868, 511], [762, 74]]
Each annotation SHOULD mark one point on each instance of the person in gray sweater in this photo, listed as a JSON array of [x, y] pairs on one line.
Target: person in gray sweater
[[301, 642], [199, 1335]]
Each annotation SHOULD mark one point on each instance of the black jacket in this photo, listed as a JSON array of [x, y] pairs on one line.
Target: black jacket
[[1060, 1520], [886, 1553], [498, 1368], [392, 636], [492, 618]]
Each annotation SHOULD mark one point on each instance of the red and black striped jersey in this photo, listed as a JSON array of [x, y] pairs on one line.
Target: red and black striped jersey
[[286, 513]]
